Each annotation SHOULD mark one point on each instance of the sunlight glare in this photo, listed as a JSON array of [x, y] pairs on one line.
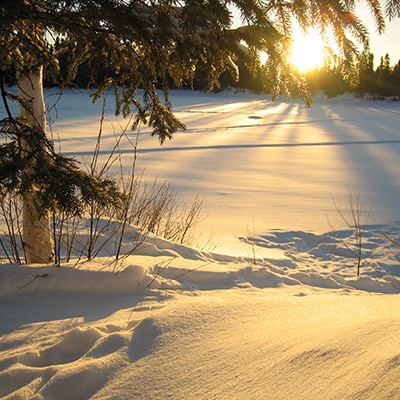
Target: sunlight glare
[[307, 51]]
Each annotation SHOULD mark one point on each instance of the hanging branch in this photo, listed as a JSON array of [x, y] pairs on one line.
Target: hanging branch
[[4, 94]]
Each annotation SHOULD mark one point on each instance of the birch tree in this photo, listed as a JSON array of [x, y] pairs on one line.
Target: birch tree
[[142, 42]]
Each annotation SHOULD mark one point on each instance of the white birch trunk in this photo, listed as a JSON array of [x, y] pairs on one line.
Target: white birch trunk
[[36, 236]]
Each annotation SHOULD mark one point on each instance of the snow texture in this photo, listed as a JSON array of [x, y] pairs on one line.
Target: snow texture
[[274, 310]]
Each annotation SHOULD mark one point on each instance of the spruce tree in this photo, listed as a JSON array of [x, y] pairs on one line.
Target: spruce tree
[[367, 76], [385, 82], [140, 43]]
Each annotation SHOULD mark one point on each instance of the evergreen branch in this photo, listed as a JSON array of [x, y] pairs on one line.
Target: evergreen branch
[[4, 95]]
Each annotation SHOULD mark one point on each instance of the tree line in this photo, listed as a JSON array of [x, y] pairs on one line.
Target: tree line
[[382, 81], [364, 79]]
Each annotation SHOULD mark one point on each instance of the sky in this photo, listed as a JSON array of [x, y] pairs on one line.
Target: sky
[[388, 42]]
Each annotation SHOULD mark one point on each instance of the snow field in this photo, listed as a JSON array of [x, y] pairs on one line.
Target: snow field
[[272, 310]]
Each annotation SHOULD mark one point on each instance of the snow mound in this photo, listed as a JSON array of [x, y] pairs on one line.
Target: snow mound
[[268, 344], [163, 321], [330, 260], [326, 261]]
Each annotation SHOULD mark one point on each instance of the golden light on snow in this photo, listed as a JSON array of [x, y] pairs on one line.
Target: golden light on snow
[[266, 304]]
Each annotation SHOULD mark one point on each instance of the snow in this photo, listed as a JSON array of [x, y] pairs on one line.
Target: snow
[[272, 308]]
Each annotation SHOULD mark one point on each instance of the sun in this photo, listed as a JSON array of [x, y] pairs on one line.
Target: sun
[[307, 50]]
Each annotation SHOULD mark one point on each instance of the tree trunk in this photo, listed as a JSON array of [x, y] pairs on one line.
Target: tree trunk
[[36, 236]]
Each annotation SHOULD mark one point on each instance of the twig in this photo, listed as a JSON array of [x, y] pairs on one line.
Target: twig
[[188, 272], [32, 280], [161, 268], [358, 228], [397, 244], [4, 95]]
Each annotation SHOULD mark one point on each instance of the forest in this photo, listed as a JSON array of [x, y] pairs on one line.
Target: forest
[[366, 79], [382, 81]]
